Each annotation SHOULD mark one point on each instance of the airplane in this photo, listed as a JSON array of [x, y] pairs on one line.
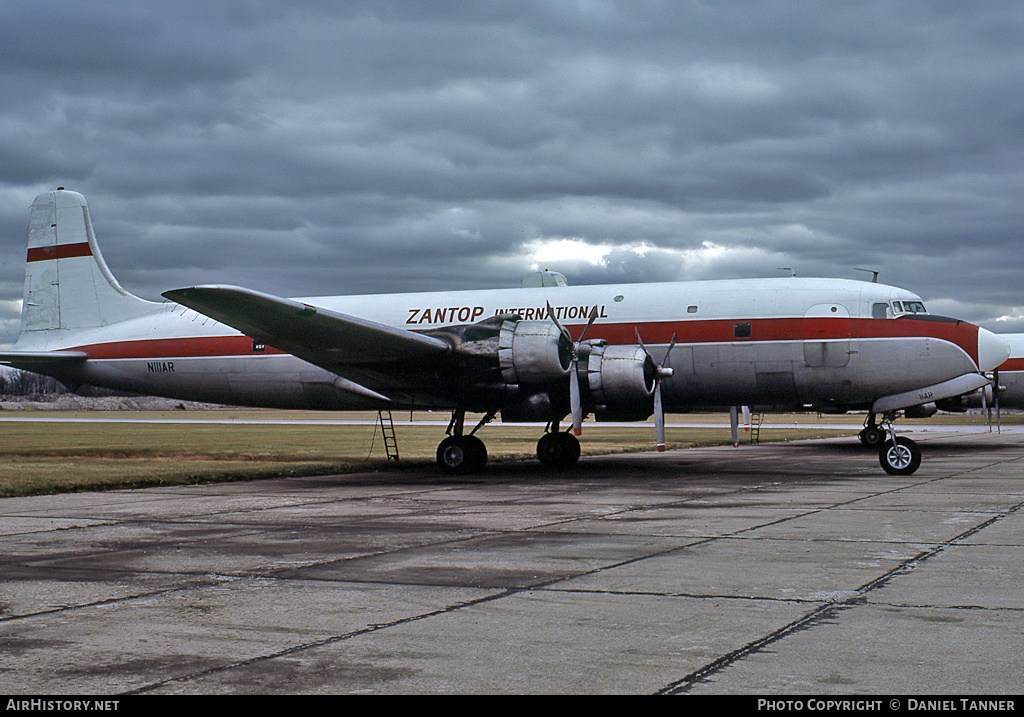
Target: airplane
[[541, 353]]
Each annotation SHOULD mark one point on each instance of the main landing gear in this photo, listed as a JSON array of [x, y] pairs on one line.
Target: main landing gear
[[558, 449], [898, 455], [462, 453], [459, 453]]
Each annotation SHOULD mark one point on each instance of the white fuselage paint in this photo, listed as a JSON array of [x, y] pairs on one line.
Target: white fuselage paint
[[774, 342]]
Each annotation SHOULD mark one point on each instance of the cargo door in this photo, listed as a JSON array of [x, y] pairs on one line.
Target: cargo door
[[827, 336]]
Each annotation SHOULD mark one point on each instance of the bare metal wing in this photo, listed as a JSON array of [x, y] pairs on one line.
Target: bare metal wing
[[324, 338], [41, 361]]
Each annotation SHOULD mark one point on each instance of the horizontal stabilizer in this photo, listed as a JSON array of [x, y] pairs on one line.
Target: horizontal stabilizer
[[39, 361], [929, 394], [325, 338]]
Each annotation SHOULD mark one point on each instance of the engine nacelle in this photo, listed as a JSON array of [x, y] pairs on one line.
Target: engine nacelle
[[534, 408], [533, 352], [621, 381], [925, 410]]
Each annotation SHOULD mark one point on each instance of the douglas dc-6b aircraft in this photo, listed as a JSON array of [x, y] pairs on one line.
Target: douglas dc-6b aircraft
[[621, 352]]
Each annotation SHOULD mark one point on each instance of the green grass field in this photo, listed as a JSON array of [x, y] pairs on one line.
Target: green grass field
[[51, 454]]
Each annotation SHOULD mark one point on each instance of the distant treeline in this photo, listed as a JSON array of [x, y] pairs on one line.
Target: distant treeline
[[25, 383]]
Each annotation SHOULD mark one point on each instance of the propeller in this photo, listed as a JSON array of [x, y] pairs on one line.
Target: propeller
[[662, 372], [575, 403]]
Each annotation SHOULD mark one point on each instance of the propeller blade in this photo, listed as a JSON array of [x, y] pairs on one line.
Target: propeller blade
[[575, 406], [659, 418], [551, 315], [590, 322], [985, 407], [671, 345], [995, 398], [640, 340]]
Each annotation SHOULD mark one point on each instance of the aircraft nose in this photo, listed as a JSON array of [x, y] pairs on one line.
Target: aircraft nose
[[992, 350]]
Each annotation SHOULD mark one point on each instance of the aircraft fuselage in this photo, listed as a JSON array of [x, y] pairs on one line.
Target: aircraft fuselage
[[786, 343]]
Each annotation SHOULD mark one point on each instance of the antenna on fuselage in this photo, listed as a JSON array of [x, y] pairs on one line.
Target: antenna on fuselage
[[874, 274], [787, 268]]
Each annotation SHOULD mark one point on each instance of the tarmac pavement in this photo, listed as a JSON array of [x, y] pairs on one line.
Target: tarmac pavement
[[777, 569]]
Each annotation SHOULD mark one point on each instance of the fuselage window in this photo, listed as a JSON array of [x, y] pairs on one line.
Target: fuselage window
[[741, 330], [691, 309], [879, 311]]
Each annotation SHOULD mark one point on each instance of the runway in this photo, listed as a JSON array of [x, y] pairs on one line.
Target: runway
[[778, 569]]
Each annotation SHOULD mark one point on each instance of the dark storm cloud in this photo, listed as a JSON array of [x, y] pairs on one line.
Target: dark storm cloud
[[311, 148]]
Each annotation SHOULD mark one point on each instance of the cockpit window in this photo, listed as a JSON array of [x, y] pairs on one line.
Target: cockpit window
[[909, 307]]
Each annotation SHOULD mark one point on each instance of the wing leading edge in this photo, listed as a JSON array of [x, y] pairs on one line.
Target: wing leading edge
[[325, 338]]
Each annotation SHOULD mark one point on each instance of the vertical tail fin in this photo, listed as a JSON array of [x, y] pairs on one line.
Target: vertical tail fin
[[67, 284]]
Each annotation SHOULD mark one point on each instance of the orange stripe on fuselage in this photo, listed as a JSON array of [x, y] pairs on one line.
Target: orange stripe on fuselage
[[59, 251], [1013, 364], [962, 334], [177, 348]]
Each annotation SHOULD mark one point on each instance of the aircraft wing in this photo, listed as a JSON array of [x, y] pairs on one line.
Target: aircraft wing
[[324, 338], [41, 361]]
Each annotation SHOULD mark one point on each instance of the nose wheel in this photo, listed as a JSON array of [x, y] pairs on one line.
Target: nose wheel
[[899, 455], [873, 435]]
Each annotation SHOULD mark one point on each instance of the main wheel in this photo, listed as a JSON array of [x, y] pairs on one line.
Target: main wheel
[[901, 458], [478, 453], [558, 450], [457, 455]]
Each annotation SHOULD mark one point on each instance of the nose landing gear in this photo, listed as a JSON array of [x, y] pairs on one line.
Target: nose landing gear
[[898, 455], [872, 435]]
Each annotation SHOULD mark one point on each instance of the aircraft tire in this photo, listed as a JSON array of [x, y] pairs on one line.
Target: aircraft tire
[[458, 455], [558, 451], [872, 436], [478, 453], [900, 459]]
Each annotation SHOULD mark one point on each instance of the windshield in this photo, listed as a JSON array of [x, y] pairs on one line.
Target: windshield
[[909, 307]]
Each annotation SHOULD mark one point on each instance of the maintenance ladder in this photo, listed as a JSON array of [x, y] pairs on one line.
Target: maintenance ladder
[[387, 430], [755, 427]]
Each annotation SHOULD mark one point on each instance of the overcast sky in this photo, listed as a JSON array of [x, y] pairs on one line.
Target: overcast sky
[[346, 147]]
